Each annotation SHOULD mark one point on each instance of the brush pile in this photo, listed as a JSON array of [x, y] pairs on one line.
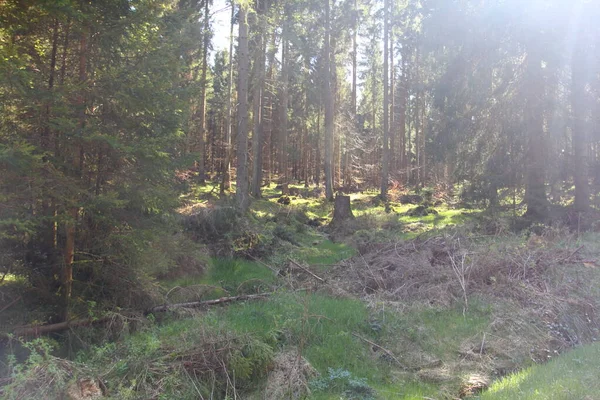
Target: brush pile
[[543, 277]]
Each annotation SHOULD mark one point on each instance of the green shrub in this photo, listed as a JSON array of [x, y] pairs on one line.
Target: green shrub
[[342, 381]]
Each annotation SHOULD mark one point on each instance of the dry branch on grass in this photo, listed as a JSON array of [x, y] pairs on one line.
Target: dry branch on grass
[[440, 270], [38, 330]]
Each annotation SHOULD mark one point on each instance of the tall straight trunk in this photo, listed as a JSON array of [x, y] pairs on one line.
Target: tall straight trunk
[[226, 173], [423, 158], [45, 141], [257, 139], [417, 121], [392, 131], [317, 178], [354, 57], [402, 114], [202, 105], [386, 103], [329, 106], [242, 195], [579, 134], [268, 110], [305, 146], [347, 174], [73, 210], [283, 108], [533, 90]]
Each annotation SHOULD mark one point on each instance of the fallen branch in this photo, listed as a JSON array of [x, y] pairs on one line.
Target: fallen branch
[[306, 270], [206, 303], [275, 271], [572, 254], [10, 304], [37, 330], [386, 351]]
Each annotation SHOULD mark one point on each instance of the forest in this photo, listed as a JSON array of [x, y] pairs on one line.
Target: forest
[[285, 199]]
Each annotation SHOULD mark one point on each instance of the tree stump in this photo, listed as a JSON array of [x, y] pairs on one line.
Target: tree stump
[[341, 209]]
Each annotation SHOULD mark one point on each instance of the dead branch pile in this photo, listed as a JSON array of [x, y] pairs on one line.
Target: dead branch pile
[[441, 270]]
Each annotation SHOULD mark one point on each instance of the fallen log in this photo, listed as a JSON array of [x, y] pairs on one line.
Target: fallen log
[[38, 330], [205, 303]]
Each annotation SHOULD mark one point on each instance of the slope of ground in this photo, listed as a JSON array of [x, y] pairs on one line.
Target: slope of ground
[[388, 306]]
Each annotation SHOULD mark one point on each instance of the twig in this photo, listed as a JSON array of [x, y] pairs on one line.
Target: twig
[[482, 344], [262, 263], [572, 254], [10, 304], [306, 270], [386, 351]]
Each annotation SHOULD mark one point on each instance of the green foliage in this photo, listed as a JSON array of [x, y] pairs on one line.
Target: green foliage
[[41, 375], [340, 380]]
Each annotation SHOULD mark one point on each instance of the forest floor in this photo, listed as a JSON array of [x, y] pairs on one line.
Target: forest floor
[[404, 301]]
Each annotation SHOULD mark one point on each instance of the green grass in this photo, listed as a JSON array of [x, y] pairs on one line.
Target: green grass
[[438, 331], [233, 275], [323, 327], [324, 253], [573, 375]]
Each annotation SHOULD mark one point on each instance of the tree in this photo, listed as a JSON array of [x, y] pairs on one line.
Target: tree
[[329, 106], [202, 101], [241, 191], [386, 106], [259, 73]]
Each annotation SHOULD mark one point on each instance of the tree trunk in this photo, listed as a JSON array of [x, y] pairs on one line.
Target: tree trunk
[[392, 129], [242, 196], [226, 173], [329, 106], [417, 121], [402, 116], [257, 138], [76, 162], [533, 89], [386, 104], [203, 84], [579, 134], [342, 210], [283, 108]]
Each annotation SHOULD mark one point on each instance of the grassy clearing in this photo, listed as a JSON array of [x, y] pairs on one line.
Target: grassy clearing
[[573, 375]]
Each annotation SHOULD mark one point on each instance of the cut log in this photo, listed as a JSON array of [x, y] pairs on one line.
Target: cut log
[[341, 209]]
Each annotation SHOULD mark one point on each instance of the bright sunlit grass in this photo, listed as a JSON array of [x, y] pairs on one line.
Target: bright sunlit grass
[[573, 375]]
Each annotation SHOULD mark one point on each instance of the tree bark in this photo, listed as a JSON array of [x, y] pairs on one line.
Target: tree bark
[[329, 106], [533, 89], [242, 195], [76, 163], [342, 210], [257, 138], [386, 127], [203, 84], [226, 173], [579, 134], [283, 107]]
